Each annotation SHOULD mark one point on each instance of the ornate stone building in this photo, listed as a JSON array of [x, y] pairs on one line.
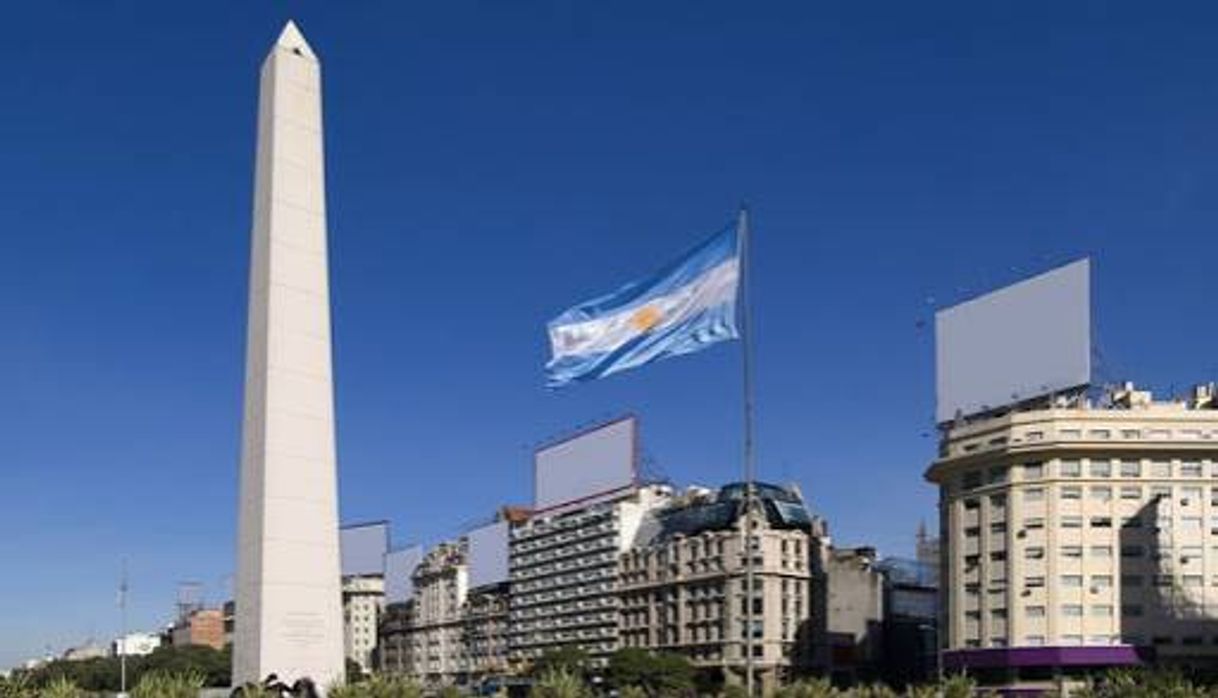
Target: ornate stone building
[[684, 589]]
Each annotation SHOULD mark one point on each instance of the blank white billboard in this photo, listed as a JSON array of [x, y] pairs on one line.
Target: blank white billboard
[[399, 566], [488, 554], [363, 547], [597, 461], [1017, 343]]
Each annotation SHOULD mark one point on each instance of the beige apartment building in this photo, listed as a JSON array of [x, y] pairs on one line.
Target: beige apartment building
[[685, 590], [1080, 534], [363, 599], [441, 586], [447, 633]]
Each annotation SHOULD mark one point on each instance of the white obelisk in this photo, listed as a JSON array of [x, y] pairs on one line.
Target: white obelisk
[[289, 609]]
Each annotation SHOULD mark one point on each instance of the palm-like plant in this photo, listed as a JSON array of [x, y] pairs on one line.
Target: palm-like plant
[[559, 684], [159, 684], [957, 686], [18, 686], [61, 687], [378, 686]]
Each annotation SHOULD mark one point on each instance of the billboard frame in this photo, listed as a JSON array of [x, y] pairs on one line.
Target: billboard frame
[[1025, 394], [582, 432]]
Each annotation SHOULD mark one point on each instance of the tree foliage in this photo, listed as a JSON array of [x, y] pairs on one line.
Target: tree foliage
[[657, 674], [104, 673], [568, 659]]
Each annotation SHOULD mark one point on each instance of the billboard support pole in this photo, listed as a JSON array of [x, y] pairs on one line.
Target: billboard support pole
[[746, 354]]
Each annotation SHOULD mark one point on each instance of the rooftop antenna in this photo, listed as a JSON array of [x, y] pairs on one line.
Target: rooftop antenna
[[189, 595]]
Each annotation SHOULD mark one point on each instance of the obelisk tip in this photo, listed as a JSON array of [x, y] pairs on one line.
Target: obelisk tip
[[292, 40]]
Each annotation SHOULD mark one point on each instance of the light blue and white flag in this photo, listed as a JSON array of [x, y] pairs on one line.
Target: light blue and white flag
[[687, 307]]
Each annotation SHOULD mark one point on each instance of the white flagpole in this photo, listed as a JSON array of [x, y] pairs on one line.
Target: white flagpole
[[745, 319]]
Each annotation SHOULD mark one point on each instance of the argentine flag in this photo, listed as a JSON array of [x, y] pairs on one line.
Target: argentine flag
[[687, 307]]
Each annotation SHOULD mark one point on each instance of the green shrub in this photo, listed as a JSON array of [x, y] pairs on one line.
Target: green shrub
[[734, 690], [18, 686], [61, 687], [925, 691], [558, 683], [874, 690], [378, 686], [164, 684], [808, 688], [632, 692]]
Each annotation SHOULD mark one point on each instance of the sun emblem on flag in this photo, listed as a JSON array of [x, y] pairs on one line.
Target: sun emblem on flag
[[645, 318]]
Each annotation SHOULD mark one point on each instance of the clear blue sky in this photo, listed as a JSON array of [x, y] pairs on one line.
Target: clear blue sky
[[490, 164]]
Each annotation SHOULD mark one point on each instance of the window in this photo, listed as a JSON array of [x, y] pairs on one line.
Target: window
[[1160, 468], [1131, 522], [1034, 611], [998, 556], [972, 504], [971, 480], [1101, 610], [1131, 492], [1131, 468], [1070, 433], [1072, 551], [1034, 494], [998, 475], [1034, 436], [1034, 523], [1072, 610], [1034, 640], [998, 527], [1101, 494], [1072, 522], [972, 531], [1190, 495], [1036, 582], [1101, 581], [998, 614], [1100, 468], [1034, 553], [1100, 434], [1072, 492], [1101, 551], [1193, 580], [1101, 522], [1190, 468], [1070, 468], [1071, 581], [1190, 523], [1033, 471], [1131, 433]]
